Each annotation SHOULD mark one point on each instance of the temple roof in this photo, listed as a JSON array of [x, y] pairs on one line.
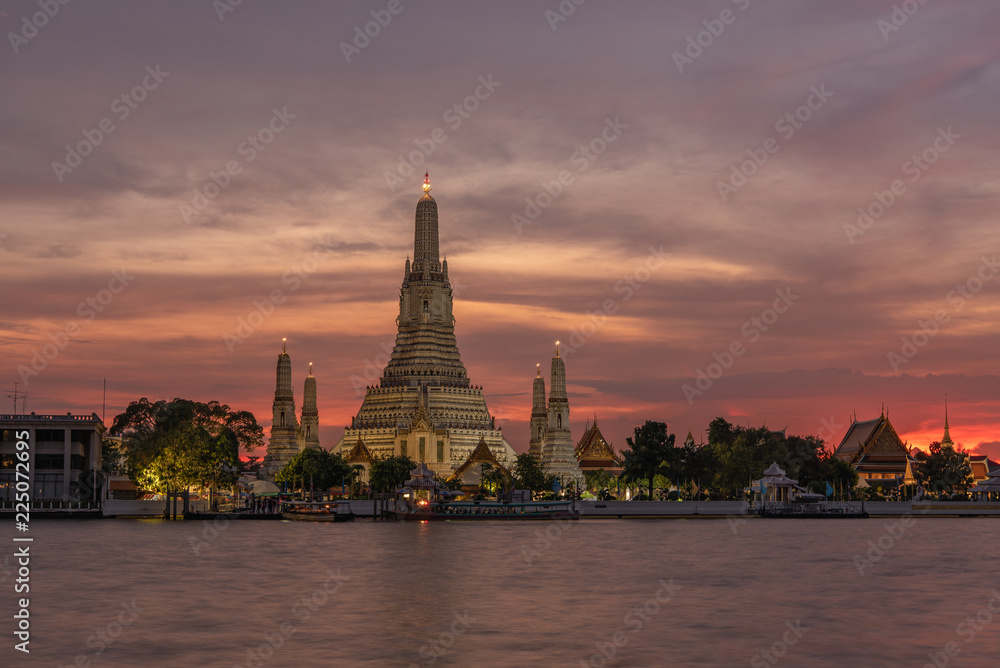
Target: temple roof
[[480, 455], [592, 446], [360, 452]]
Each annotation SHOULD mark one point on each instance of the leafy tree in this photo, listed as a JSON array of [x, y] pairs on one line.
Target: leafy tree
[[388, 473], [599, 480], [323, 469], [528, 474], [945, 470], [172, 445], [650, 452]]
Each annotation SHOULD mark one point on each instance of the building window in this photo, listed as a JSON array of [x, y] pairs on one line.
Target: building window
[[427, 305], [423, 446], [440, 451], [50, 435], [559, 421], [48, 462], [81, 436], [48, 486], [282, 418], [402, 448], [308, 431]]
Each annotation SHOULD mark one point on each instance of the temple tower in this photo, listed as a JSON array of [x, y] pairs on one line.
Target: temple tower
[[539, 416], [283, 444], [558, 457], [309, 431], [946, 439], [424, 406]]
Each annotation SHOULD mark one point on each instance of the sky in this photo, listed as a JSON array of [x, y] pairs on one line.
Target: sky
[[780, 213]]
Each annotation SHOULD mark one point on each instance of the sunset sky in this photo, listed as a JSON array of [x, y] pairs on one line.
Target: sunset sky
[[836, 106]]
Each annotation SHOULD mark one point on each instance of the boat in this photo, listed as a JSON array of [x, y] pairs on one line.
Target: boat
[[317, 511], [464, 511]]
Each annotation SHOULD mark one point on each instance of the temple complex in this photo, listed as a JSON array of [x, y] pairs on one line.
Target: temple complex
[[875, 451], [424, 405]]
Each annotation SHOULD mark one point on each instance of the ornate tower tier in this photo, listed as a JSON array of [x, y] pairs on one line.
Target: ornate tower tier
[[424, 405], [283, 444], [309, 431], [539, 416], [558, 456]]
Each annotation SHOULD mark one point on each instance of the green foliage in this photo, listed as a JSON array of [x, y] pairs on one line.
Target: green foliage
[[388, 473], [651, 452], [171, 445], [528, 474], [319, 468], [945, 471], [599, 480]]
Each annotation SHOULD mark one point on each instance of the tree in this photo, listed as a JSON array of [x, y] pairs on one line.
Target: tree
[[388, 473], [528, 474], [945, 470], [322, 468], [598, 481], [650, 452], [172, 445]]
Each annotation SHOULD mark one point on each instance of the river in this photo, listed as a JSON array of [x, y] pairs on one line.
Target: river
[[738, 592]]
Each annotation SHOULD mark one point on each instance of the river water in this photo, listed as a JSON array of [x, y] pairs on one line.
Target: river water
[[593, 592]]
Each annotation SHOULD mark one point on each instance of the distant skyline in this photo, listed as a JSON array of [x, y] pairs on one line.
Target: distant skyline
[[798, 199]]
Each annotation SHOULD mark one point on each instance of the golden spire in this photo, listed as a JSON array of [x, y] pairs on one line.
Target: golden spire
[[427, 183], [284, 345], [538, 369], [557, 349], [310, 368], [947, 435]]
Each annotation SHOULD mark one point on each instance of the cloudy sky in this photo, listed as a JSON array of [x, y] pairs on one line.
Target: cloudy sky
[[183, 184]]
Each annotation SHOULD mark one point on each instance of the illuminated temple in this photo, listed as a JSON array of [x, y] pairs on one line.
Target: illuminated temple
[[424, 405]]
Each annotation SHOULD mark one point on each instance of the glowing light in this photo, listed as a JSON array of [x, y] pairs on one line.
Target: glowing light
[[427, 183]]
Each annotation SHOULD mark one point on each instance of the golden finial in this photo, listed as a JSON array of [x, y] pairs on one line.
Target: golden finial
[[427, 183], [310, 368], [538, 369], [557, 349], [284, 345]]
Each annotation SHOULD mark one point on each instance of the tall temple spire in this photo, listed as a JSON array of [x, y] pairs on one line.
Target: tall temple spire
[[425, 239], [283, 444], [946, 440], [539, 415], [309, 431], [424, 406], [426, 353], [558, 457]]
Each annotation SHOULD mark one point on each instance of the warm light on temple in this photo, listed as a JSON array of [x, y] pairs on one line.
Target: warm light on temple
[[427, 183]]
